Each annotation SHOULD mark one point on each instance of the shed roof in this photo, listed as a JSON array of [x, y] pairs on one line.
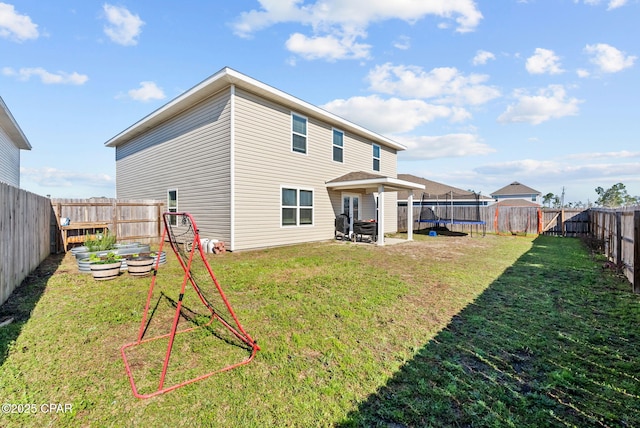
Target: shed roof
[[515, 188], [228, 77], [10, 126]]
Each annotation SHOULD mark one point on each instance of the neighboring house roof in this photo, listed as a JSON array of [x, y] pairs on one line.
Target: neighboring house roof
[[10, 126], [432, 189], [367, 180], [227, 77], [515, 189]]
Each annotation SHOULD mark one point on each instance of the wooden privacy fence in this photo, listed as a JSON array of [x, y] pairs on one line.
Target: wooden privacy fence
[[25, 235], [513, 219], [129, 220], [618, 233]]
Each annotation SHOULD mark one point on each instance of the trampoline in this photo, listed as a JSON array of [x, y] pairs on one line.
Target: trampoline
[[452, 208]]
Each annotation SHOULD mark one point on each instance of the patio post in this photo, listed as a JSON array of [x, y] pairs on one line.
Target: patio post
[[380, 215], [410, 216]]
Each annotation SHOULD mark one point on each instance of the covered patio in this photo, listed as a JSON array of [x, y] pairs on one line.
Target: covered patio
[[365, 183]]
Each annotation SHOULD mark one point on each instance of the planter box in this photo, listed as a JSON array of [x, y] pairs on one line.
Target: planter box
[[121, 250], [84, 264]]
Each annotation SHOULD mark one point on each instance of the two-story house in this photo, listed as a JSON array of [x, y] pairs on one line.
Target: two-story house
[[12, 140], [512, 193], [257, 167]]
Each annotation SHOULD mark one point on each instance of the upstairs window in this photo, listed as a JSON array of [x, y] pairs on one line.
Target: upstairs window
[[299, 133], [172, 204], [376, 157], [338, 145]]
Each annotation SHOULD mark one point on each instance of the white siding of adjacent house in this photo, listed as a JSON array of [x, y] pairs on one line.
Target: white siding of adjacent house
[[9, 160], [264, 163], [189, 153]]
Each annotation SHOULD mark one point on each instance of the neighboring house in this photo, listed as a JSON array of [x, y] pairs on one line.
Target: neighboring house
[[517, 190], [258, 167], [12, 140]]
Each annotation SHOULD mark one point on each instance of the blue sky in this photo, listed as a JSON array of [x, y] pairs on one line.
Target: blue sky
[[483, 93]]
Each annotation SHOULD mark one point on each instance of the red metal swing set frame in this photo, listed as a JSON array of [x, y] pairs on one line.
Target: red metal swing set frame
[[186, 263]]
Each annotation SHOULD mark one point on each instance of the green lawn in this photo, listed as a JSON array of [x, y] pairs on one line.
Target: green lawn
[[494, 331]]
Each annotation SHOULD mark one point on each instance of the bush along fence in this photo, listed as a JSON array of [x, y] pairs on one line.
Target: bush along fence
[[616, 232], [26, 221]]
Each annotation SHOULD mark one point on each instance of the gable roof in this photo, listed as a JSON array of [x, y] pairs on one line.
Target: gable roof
[[515, 188], [433, 189], [228, 77], [10, 126]]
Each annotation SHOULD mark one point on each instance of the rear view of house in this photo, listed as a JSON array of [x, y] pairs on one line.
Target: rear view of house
[[258, 167], [12, 140]]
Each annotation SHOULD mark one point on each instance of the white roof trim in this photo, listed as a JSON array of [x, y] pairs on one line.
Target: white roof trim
[[10, 126], [223, 79], [390, 182]]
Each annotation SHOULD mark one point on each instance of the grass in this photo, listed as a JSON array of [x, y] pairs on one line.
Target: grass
[[494, 331]]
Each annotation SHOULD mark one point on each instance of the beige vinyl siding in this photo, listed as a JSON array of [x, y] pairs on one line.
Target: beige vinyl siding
[[9, 160], [189, 153], [265, 162]]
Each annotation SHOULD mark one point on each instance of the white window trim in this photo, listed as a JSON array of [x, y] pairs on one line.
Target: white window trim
[[373, 157], [176, 207], [306, 136], [333, 130], [313, 207]]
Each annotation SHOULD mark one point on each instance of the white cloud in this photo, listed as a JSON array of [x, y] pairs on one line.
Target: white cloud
[[123, 27], [520, 168], [391, 116], [402, 43], [582, 73], [612, 4], [549, 103], [561, 172], [442, 146], [355, 13], [609, 59], [328, 47], [445, 84], [15, 26], [148, 91], [482, 57], [47, 77], [544, 61], [341, 23], [53, 177], [623, 154]]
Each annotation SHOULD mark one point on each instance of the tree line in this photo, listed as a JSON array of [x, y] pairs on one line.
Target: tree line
[[613, 197]]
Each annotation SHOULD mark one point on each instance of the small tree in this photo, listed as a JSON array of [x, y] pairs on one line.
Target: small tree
[[546, 199], [615, 196]]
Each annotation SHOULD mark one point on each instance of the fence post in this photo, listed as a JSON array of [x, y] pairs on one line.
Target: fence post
[[636, 251], [619, 238]]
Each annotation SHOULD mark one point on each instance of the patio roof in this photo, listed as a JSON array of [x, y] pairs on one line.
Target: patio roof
[[368, 183]]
